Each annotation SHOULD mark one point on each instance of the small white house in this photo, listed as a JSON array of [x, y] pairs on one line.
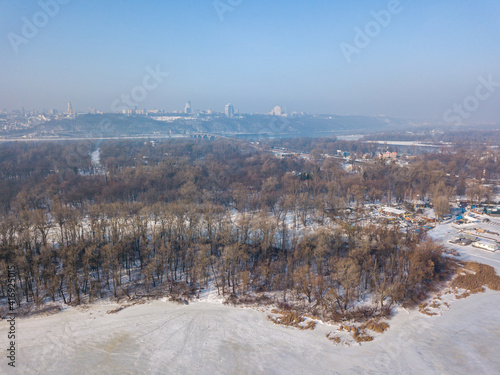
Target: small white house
[[485, 246]]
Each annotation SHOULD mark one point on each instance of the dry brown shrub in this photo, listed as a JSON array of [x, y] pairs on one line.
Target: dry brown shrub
[[263, 300], [379, 327], [314, 317], [120, 308], [246, 299], [434, 305], [348, 328], [363, 338], [385, 312], [291, 319], [310, 325], [427, 312], [335, 339], [284, 306], [463, 295], [361, 313], [360, 335], [424, 308], [179, 300]]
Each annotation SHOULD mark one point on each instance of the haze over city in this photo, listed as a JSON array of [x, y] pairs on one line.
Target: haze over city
[[414, 59]]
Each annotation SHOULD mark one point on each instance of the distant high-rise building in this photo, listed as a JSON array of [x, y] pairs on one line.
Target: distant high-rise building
[[187, 109], [277, 111], [70, 109], [229, 110]]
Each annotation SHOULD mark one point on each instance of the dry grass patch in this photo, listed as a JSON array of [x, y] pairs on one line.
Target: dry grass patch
[[249, 300], [374, 325], [335, 339], [291, 319], [361, 336], [434, 304], [473, 277], [425, 308], [462, 295], [347, 328], [120, 308], [309, 325], [123, 307]]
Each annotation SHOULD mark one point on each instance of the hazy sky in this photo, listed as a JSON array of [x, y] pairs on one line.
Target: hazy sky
[[255, 54]]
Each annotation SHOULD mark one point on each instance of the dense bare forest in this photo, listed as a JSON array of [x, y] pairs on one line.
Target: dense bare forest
[[172, 218]]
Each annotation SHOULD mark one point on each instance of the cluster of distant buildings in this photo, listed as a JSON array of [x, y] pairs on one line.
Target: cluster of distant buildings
[[55, 113], [388, 155], [229, 111]]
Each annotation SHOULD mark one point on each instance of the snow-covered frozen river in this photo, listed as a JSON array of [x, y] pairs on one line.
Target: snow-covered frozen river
[[209, 338]]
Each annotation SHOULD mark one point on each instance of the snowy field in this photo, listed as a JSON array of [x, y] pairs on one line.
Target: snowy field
[[210, 338]]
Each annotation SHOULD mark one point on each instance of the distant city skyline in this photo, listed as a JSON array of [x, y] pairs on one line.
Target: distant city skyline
[[405, 59], [229, 110]]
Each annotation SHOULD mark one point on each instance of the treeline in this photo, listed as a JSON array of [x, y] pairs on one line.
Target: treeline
[[179, 248], [227, 172], [176, 216]]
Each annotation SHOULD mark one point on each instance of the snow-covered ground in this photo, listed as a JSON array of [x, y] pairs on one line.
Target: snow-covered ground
[[449, 231], [210, 338]]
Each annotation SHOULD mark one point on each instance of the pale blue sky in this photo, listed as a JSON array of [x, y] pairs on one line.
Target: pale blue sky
[[262, 54]]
